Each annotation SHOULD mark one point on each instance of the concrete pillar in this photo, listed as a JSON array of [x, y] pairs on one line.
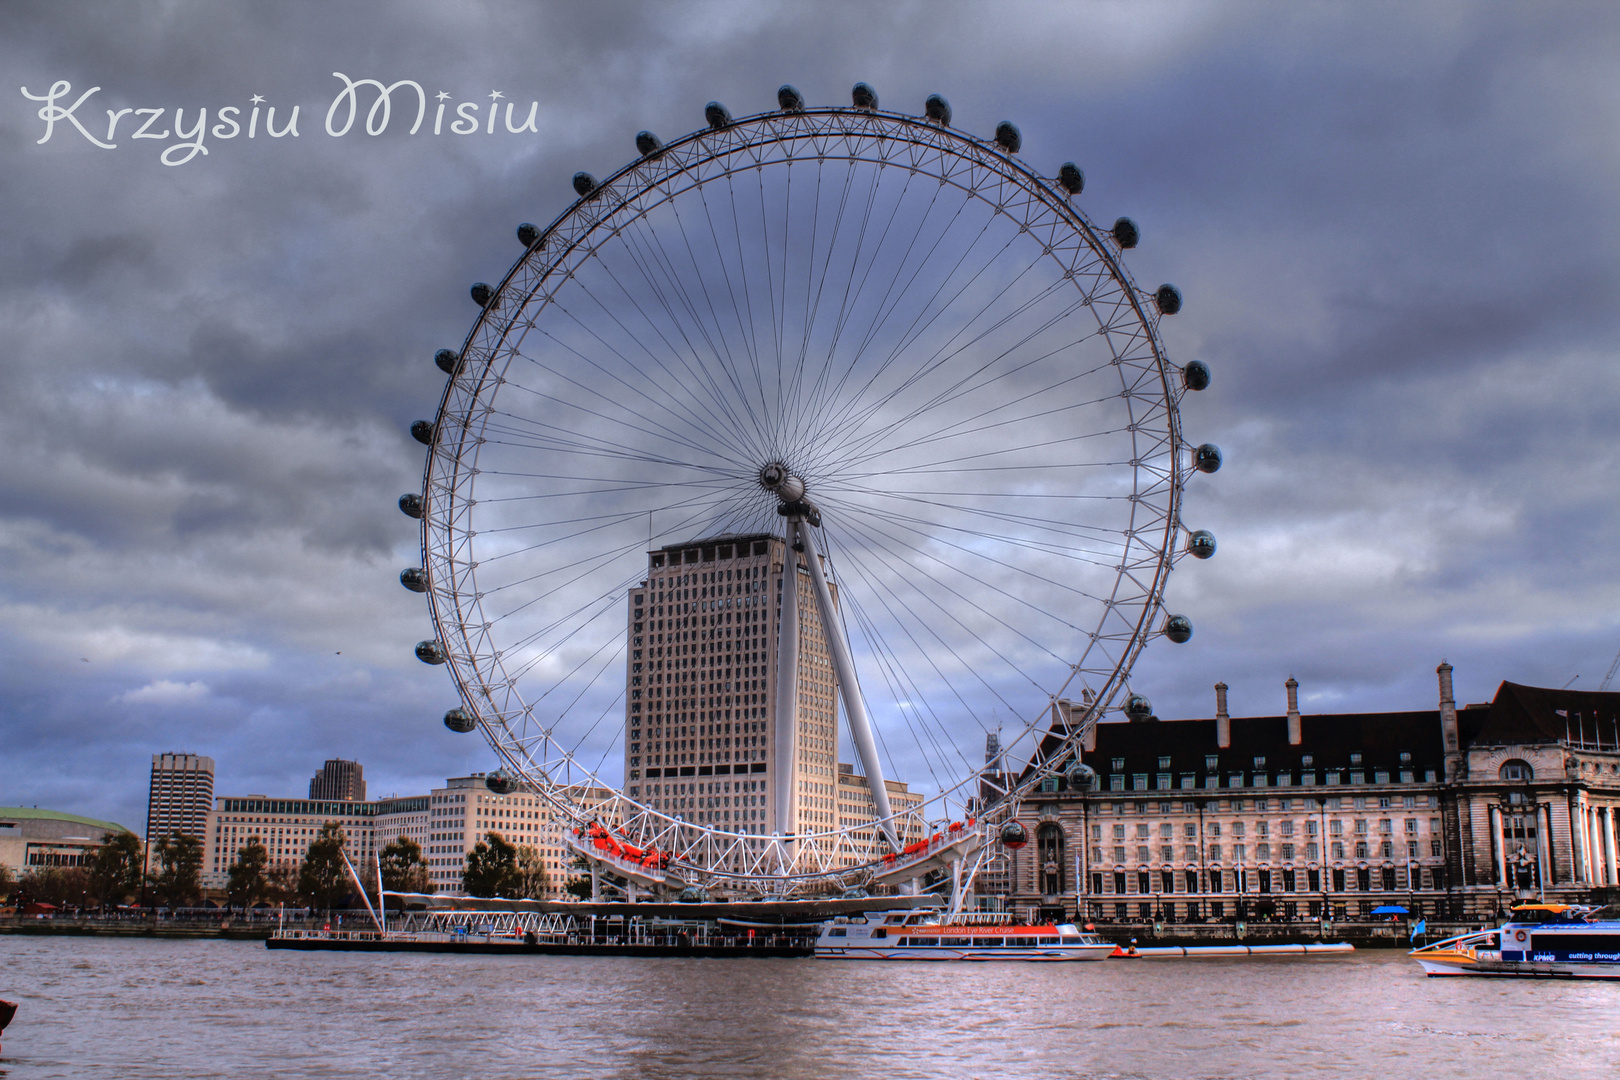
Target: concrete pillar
[[1578, 836], [1589, 819], [1223, 722], [1590, 841], [1548, 873], [1294, 735], [1498, 848], [1613, 875], [1594, 840]]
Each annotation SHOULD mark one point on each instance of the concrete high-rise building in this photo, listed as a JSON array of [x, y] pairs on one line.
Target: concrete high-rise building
[[339, 779], [702, 679], [701, 740], [180, 795]]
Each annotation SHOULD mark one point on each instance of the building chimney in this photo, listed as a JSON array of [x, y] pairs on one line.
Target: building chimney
[[1448, 722], [1223, 722], [1088, 741], [1295, 736]]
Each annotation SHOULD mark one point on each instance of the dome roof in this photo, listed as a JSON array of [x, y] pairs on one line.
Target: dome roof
[[28, 813]]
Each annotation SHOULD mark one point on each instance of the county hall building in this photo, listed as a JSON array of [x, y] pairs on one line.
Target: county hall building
[[1448, 812]]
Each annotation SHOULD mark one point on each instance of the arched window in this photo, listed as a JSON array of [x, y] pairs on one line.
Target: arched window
[[1516, 770], [1049, 846]]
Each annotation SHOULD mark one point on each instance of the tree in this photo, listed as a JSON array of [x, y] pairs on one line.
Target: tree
[[115, 875], [323, 880], [491, 869], [281, 885], [246, 882], [64, 886], [8, 883], [403, 868], [179, 875], [533, 881]]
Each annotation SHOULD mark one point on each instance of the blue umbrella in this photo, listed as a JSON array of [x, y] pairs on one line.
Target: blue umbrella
[[1389, 909]]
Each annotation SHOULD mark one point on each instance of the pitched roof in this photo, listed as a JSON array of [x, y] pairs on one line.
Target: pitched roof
[[1518, 714], [1534, 714], [1329, 738]]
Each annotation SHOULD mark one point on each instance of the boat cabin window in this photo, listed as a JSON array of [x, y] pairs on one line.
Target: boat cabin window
[[1071, 939], [1536, 916], [1047, 941], [837, 931], [991, 942]]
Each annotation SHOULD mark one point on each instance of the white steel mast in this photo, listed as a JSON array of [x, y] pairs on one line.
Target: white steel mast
[[800, 514]]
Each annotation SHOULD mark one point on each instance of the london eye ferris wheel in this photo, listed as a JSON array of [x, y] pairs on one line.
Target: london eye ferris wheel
[[784, 468]]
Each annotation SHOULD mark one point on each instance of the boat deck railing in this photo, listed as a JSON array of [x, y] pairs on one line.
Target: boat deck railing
[[329, 935]]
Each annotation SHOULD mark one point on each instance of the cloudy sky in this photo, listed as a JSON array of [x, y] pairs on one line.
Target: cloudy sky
[[1394, 226]]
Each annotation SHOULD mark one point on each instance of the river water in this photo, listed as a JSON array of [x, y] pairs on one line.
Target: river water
[[144, 1008]]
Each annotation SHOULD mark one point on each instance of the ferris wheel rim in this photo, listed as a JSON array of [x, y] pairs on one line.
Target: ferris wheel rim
[[1156, 561]]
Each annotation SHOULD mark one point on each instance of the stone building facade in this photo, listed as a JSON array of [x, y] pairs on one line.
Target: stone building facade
[[1451, 813]]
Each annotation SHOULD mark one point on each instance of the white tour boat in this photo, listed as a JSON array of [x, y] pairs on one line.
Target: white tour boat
[[925, 935], [1539, 941]]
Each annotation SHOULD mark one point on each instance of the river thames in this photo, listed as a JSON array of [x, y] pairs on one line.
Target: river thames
[[143, 1008]]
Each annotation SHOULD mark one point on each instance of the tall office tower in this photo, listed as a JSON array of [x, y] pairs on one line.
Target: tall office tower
[[339, 779], [701, 711], [180, 795]]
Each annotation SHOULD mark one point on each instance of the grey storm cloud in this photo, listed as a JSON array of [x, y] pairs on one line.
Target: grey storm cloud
[[1393, 224]]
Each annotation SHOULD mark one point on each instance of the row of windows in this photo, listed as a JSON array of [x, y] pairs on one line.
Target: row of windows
[[1263, 852], [1350, 879], [1212, 761], [1265, 804], [1212, 781], [1237, 829]]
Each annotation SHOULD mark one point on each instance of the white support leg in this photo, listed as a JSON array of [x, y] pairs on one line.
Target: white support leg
[[784, 738], [860, 727]]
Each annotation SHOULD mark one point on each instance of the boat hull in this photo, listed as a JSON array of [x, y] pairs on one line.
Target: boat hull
[[1439, 967], [1047, 954]]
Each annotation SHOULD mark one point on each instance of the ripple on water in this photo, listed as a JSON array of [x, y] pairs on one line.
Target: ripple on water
[[143, 1009]]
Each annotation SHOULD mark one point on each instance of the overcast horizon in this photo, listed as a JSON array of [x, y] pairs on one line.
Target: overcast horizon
[[1393, 226]]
